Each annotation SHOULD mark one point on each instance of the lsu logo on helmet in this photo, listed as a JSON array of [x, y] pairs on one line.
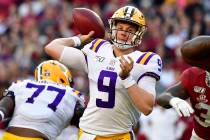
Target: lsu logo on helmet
[[54, 71]]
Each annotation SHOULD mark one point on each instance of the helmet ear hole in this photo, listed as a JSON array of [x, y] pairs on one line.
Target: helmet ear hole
[[62, 81]]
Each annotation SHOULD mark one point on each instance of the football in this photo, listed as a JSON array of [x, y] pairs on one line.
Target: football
[[86, 20], [196, 55]]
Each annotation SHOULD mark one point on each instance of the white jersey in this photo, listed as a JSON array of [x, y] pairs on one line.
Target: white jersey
[[110, 109], [43, 106]]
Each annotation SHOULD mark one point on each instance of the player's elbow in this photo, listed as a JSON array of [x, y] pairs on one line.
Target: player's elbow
[[147, 111], [147, 108], [53, 50], [47, 49]]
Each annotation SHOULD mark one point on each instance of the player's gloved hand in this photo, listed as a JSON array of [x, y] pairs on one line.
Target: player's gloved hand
[[181, 106]]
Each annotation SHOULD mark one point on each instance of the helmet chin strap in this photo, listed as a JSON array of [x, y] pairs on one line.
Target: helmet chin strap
[[122, 46]]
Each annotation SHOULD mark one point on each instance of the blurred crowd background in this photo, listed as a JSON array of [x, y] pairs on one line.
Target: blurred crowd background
[[26, 26]]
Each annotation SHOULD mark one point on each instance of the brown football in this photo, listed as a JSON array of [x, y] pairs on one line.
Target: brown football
[[197, 55], [86, 20]]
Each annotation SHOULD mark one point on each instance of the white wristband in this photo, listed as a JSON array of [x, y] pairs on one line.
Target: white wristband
[[77, 41], [128, 82], [2, 114]]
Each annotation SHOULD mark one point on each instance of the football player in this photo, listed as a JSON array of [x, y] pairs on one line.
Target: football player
[[194, 84], [43, 107], [121, 79]]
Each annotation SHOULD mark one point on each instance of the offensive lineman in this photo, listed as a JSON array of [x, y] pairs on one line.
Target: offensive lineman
[[42, 107]]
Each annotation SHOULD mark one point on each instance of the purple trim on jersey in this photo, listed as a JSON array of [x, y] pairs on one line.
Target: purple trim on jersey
[[131, 135], [93, 44], [151, 74], [85, 58], [149, 58], [141, 57], [99, 45], [40, 73], [78, 94]]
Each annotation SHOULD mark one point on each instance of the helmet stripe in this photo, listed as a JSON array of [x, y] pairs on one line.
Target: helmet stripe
[[129, 11], [125, 12], [132, 12], [40, 73]]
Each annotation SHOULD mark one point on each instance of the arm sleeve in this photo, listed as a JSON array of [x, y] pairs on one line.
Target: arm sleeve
[[148, 83], [184, 79], [155, 67], [74, 58], [149, 78]]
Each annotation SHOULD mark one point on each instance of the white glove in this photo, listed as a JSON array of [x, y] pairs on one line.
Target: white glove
[[181, 106]]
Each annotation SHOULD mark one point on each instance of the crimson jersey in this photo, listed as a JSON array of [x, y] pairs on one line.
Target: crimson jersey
[[196, 83]]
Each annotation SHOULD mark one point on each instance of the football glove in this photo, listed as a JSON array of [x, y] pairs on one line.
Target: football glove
[[181, 106]]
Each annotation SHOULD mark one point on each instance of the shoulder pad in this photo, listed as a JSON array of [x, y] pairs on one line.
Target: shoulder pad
[[145, 58], [153, 65], [96, 44]]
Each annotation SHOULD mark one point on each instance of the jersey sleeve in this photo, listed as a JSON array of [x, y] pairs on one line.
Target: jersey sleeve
[[184, 78], [77, 94], [153, 66], [86, 48], [13, 88], [156, 66], [94, 46], [148, 84], [74, 58]]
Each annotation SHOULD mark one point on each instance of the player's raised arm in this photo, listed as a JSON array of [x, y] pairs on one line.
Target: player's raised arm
[[56, 47], [63, 50], [142, 92]]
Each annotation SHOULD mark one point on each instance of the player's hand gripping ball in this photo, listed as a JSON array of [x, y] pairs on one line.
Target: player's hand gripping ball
[[86, 20]]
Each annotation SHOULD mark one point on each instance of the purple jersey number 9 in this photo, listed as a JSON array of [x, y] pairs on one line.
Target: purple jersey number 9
[[106, 84]]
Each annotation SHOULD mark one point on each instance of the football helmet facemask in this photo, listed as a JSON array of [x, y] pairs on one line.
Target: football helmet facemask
[[132, 15], [53, 70]]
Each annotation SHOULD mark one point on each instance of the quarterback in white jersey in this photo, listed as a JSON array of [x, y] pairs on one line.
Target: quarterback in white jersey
[[43, 107], [121, 79], [108, 97]]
